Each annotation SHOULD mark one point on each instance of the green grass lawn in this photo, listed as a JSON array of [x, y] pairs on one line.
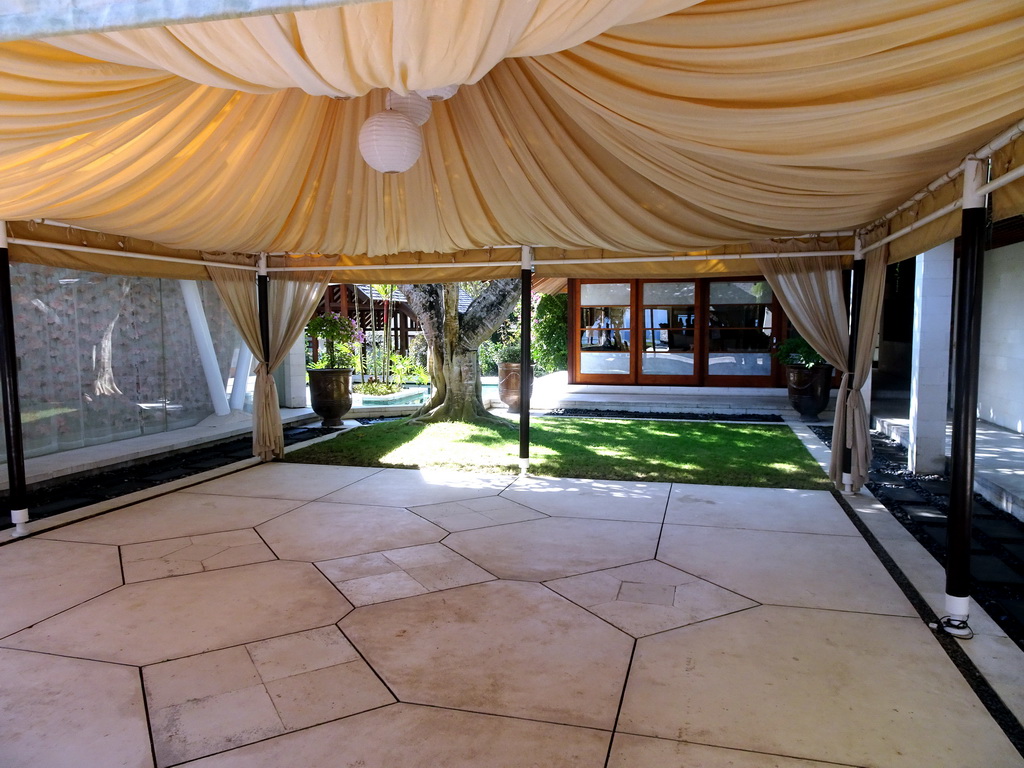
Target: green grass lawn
[[611, 449]]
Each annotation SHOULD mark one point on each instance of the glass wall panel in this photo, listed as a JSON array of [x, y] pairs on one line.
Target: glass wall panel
[[103, 358]]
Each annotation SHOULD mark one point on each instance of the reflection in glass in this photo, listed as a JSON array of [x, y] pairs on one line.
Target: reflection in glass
[[668, 363], [669, 293], [604, 293], [744, 292], [669, 318], [604, 328], [739, 329], [604, 362], [739, 364], [104, 358]]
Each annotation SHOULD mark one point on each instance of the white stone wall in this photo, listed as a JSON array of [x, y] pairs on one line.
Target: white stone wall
[[1001, 367], [929, 382]]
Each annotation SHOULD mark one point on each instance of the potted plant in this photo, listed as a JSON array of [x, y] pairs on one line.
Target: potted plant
[[508, 357], [808, 377], [330, 374]]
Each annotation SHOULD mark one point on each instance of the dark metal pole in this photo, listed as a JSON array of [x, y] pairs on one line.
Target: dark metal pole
[[263, 306], [965, 405], [525, 370], [856, 295], [18, 496]]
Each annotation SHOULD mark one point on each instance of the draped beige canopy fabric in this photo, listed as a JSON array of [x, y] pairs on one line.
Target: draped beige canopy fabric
[[1008, 201], [653, 127]]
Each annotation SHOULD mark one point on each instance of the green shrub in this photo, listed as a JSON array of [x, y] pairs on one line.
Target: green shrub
[[551, 332]]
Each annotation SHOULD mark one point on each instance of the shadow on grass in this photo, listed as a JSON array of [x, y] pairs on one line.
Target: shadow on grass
[[686, 452]]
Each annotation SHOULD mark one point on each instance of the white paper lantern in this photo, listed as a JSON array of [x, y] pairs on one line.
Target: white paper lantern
[[390, 142], [413, 106], [438, 94]]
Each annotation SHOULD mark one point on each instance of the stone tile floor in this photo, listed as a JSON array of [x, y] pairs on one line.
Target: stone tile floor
[[921, 504], [289, 615]]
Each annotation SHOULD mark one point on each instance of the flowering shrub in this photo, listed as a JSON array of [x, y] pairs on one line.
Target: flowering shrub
[[341, 334]]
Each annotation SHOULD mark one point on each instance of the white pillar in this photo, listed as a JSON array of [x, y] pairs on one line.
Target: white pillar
[[929, 384], [243, 366], [291, 376], [204, 342]]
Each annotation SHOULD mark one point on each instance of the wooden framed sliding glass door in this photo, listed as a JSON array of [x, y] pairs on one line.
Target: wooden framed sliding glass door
[[672, 341], [603, 332]]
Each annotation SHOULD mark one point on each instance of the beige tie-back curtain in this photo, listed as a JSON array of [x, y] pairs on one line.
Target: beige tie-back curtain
[[643, 128], [292, 298], [811, 292]]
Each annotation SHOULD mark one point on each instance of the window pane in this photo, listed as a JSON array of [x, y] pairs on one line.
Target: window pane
[[604, 362], [668, 293], [747, 292], [739, 364], [668, 363], [604, 293], [604, 327], [739, 340]]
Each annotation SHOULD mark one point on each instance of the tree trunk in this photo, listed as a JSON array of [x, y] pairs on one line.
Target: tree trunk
[[104, 385], [452, 343]]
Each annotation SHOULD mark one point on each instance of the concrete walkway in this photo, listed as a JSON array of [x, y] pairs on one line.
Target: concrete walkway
[[323, 616]]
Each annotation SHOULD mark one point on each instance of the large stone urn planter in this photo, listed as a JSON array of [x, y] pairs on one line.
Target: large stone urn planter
[[808, 389], [330, 393], [509, 376]]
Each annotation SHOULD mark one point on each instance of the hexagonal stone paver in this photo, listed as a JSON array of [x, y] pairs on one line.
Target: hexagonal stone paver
[[594, 499], [813, 684], [324, 531], [648, 597], [407, 736], [417, 487], [800, 569], [153, 621], [277, 480], [173, 516], [766, 509], [68, 713], [476, 513], [223, 699], [630, 751], [193, 554], [397, 573], [505, 648], [41, 578], [557, 547]]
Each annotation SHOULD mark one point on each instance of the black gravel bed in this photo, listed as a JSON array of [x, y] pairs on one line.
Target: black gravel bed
[[921, 504], [53, 498]]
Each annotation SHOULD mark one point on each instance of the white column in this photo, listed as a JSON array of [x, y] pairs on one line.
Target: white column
[[291, 376], [243, 366], [929, 384], [204, 342]]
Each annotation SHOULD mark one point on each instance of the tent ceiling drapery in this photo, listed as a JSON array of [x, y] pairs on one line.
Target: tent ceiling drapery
[[591, 127]]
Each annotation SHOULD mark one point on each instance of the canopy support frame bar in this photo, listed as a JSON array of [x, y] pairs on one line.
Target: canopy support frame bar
[[13, 438], [525, 355], [969, 270]]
